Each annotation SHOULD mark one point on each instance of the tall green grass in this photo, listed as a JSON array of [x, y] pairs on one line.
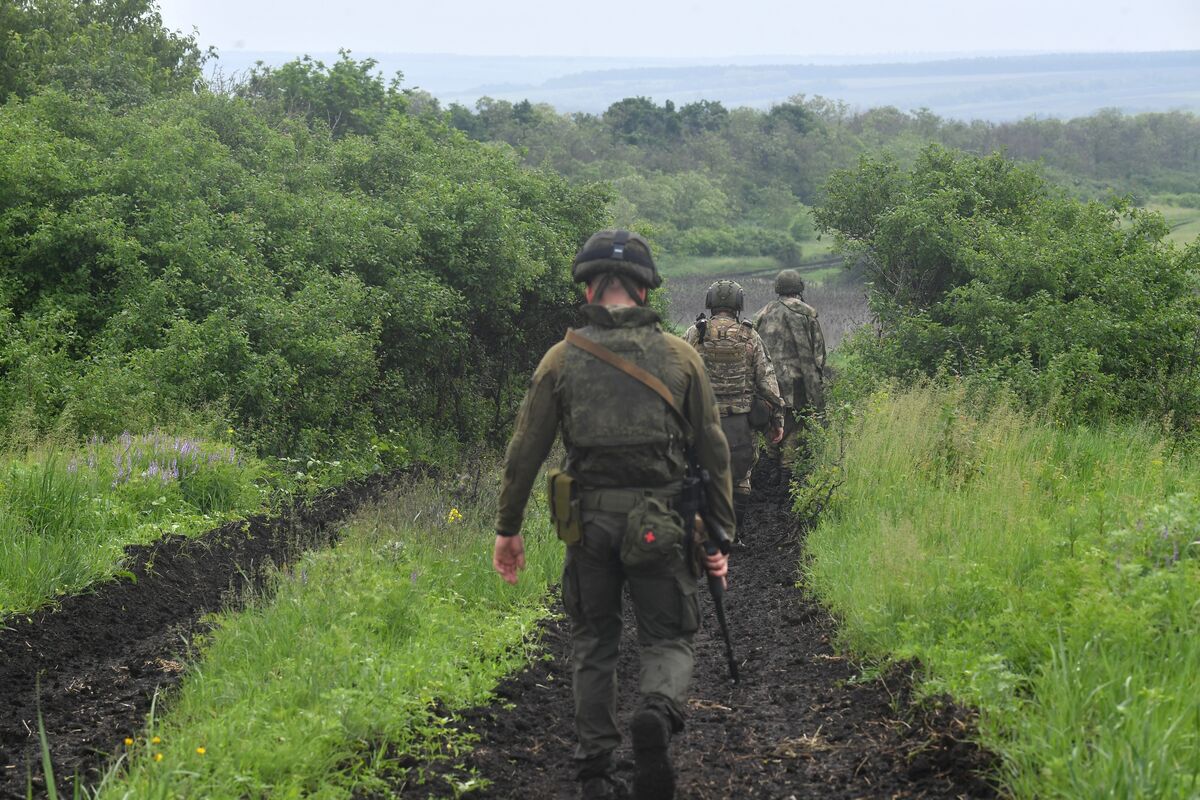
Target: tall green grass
[[1049, 576], [353, 662], [66, 517]]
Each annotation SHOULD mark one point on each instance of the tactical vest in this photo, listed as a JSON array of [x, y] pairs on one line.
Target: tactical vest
[[618, 431], [727, 348]]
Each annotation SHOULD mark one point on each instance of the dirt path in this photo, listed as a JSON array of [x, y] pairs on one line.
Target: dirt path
[[101, 657], [796, 726]]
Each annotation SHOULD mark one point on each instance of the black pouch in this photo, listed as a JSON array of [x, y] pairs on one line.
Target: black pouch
[[563, 494], [653, 537], [760, 414]]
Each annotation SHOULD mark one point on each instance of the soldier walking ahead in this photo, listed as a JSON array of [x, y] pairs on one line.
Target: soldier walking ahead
[[789, 328], [740, 371], [614, 505]]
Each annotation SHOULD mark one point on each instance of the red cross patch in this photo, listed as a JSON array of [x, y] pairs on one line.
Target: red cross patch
[[648, 538]]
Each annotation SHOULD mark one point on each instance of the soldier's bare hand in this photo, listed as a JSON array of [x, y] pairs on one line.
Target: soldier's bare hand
[[777, 434], [717, 566], [508, 556]]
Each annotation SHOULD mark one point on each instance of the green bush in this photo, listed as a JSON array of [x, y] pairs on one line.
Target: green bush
[[980, 266]]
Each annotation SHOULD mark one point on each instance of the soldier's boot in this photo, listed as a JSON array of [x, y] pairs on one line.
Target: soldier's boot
[[740, 501], [653, 776], [603, 787]]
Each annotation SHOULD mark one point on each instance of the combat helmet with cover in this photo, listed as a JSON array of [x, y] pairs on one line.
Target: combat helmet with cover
[[789, 282], [618, 254], [725, 294]]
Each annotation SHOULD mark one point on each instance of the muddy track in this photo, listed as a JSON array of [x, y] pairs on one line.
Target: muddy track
[[99, 658], [798, 725]]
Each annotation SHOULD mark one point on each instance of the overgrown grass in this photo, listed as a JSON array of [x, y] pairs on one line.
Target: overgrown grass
[[353, 661], [65, 518], [1051, 577]]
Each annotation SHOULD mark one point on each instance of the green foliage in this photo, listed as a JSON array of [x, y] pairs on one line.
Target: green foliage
[[1047, 576], [65, 518], [354, 667], [981, 267], [310, 290], [114, 49], [347, 96]]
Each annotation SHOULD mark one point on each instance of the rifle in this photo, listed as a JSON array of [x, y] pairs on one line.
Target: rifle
[[695, 502]]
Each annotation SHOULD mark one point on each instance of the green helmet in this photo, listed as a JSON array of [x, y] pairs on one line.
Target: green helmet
[[725, 294], [789, 282], [619, 252]]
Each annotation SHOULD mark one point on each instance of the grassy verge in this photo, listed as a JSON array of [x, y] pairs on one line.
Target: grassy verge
[[352, 662], [65, 518], [1050, 577]]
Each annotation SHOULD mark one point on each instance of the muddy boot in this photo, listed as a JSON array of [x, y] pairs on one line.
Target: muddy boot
[[603, 787], [653, 775]]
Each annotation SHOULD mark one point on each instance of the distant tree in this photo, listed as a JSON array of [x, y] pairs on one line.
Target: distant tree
[[349, 96], [637, 120], [703, 116]]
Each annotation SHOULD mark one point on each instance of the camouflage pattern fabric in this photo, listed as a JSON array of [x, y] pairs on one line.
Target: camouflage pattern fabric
[[792, 334], [738, 365]]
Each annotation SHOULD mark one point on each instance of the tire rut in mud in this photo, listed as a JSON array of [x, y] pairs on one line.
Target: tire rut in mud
[[798, 724], [101, 657]]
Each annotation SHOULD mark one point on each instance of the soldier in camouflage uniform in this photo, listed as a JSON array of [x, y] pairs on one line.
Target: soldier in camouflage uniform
[[740, 370], [626, 458], [790, 329]]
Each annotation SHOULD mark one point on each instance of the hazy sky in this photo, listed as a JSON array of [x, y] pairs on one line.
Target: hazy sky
[[690, 27]]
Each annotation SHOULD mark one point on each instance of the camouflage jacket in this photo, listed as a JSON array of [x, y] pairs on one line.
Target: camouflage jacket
[[790, 329], [617, 432], [750, 373]]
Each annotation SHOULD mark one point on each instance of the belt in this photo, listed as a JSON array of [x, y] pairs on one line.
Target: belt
[[622, 501]]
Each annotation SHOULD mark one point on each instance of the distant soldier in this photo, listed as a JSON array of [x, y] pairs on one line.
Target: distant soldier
[[789, 328], [741, 373], [630, 401]]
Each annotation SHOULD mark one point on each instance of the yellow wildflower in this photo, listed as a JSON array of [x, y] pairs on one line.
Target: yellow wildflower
[[157, 757], [128, 742], [200, 751], [155, 740], [454, 516]]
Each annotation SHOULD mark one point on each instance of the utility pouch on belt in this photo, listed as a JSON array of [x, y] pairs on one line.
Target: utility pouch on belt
[[564, 506], [760, 414], [653, 536]]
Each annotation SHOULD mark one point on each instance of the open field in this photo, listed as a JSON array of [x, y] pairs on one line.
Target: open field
[[1184, 221], [1047, 576], [674, 266], [839, 297]]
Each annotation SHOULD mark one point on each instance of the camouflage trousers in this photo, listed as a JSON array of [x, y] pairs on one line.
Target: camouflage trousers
[[795, 425], [667, 610]]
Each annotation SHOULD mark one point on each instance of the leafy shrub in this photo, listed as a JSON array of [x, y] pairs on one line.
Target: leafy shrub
[[980, 266]]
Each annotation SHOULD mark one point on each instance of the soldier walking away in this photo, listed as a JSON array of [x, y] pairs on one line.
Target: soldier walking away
[[614, 504], [790, 329], [742, 377]]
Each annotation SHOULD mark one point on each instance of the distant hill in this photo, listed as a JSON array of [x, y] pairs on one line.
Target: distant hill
[[996, 88]]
